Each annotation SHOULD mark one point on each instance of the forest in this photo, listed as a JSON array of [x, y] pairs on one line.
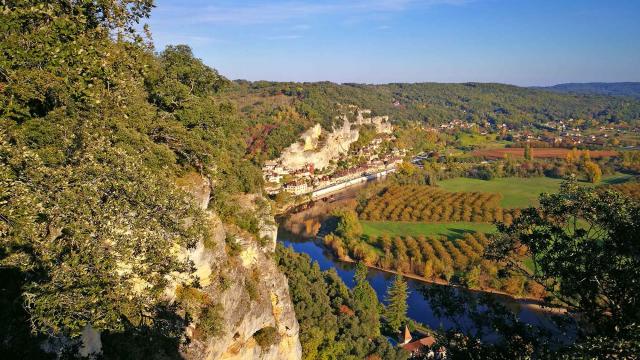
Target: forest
[[96, 128], [279, 112], [335, 322]]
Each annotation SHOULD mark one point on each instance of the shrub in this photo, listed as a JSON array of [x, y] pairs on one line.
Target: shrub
[[252, 288], [210, 322], [266, 337], [232, 246]]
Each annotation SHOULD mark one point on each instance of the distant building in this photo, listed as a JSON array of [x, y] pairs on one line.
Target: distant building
[[416, 347], [297, 188], [274, 178]]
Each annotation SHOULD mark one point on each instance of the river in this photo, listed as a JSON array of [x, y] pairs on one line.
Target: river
[[421, 307]]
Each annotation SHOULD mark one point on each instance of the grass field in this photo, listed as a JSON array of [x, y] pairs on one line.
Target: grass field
[[518, 192], [396, 228]]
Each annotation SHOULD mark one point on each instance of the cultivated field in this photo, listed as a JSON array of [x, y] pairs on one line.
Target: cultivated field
[[431, 204], [454, 230], [518, 192], [537, 153]]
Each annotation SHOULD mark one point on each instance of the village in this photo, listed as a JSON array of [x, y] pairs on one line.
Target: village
[[368, 161], [324, 159], [566, 133]]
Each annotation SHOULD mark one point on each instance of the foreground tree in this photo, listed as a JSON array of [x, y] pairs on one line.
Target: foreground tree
[[366, 301], [397, 303], [91, 222], [585, 252]]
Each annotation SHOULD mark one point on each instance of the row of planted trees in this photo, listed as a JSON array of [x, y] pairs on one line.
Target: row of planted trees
[[426, 203], [434, 258]]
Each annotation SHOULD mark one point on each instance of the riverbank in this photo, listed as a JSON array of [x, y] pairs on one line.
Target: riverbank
[[343, 191], [421, 307], [533, 302]]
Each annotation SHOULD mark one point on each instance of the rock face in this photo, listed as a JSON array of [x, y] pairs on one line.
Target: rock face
[[252, 293], [313, 149]]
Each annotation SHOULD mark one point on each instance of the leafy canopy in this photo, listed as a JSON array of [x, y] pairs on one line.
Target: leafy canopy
[[584, 247]]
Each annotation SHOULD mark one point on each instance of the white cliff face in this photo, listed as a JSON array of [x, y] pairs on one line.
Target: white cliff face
[[311, 149], [244, 312], [244, 315], [363, 117]]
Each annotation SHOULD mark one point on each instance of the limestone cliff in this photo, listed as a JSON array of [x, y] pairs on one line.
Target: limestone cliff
[[248, 288], [319, 148]]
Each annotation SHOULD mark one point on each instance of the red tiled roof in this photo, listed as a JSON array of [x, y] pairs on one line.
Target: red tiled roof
[[416, 345]]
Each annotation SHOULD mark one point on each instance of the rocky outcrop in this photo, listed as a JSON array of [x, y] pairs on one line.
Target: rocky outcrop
[[311, 150], [320, 148], [363, 117], [250, 291]]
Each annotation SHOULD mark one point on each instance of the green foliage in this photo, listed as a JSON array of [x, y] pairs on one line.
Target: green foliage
[[409, 174], [430, 204], [631, 161], [89, 234], [232, 246], [182, 79], [528, 152], [366, 301], [251, 284], [516, 192], [210, 321], [584, 249], [472, 278], [266, 337], [428, 103], [593, 172], [452, 230], [396, 312], [95, 129], [366, 134], [631, 189], [348, 225], [224, 282], [328, 330], [277, 113]]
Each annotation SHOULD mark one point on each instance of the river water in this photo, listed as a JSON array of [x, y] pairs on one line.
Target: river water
[[421, 306]]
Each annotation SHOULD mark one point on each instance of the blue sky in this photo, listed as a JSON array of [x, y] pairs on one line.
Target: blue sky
[[523, 42]]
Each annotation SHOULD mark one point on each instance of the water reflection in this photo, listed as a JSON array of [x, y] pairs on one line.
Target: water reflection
[[444, 307]]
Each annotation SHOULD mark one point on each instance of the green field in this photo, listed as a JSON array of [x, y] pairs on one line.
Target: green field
[[518, 192], [485, 141], [452, 230]]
